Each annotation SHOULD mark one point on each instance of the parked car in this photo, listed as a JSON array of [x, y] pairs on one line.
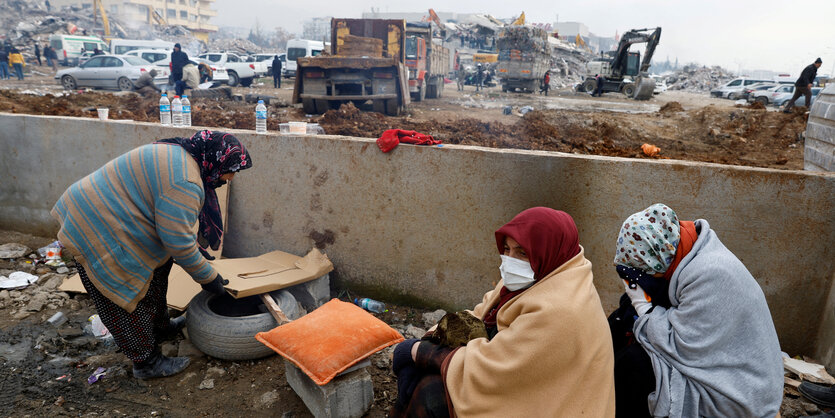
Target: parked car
[[262, 63], [107, 71], [159, 58], [734, 88], [240, 71], [660, 86], [746, 93], [267, 59], [766, 96], [85, 56], [299, 48], [781, 99]]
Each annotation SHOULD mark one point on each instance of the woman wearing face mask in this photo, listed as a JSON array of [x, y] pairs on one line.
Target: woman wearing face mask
[[548, 352], [706, 345]]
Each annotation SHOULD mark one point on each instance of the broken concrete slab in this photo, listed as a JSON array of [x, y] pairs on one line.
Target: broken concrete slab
[[14, 250], [346, 396], [811, 372]]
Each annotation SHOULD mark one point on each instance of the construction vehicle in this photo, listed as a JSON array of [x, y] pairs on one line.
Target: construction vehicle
[[98, 6], [426, 62], [624, 71], [524, 57], [366, 64]]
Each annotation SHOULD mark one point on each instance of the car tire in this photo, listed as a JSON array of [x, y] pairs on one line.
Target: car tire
[[763, 100], [69, 82], [246, 82], [234, 80], [221, 327], [124, 84]]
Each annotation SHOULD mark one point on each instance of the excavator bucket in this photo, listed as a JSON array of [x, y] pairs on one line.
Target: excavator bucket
[[644, 86]]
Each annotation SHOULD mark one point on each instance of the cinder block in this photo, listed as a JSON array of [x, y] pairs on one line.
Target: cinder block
[[312, 294], [346, 396]]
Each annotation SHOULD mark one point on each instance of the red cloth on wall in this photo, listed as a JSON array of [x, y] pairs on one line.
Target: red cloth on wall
[[393, 137]]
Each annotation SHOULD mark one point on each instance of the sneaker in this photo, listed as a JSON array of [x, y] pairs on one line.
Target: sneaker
[[820, 395], [159, 366]]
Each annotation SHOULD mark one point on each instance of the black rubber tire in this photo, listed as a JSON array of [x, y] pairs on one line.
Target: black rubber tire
[[589, 86], [763, 100], [309, 106], [232, 338], [246, 82], [392, 107], [69, 82], [379, 106], [629, 90], [234, 80], [124, 84], [322, 105], [421, 94]]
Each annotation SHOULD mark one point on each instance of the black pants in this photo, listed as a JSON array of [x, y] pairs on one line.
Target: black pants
[[634, 377], [805, 91], [277, 81], [137, 333]]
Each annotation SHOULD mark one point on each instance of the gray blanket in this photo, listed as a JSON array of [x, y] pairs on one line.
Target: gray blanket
[[715, 351]]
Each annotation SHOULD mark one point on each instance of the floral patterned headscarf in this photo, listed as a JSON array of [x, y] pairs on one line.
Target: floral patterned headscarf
[[217, 153], [648, 239]]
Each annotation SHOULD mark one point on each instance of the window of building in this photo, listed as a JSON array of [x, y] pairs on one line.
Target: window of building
[[183, 14], [183, 2], [172, 13]]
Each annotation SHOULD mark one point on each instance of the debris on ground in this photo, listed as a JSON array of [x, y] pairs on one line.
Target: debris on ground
[[698, 78]]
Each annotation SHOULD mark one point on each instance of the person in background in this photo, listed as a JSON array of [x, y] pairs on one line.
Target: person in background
[[598, 89], [179, 59], [803, 85], [546, 82], [145, 85], [5, 73], [97, 51], [693, 336], [547, 350], [190, 79], [16, 59], [479, 77], [52, 55], [127, 236], [38, 54], [276, 72], [48, 6], [206, 73]]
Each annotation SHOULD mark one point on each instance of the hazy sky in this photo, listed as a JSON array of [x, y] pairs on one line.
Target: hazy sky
[[766, 34]]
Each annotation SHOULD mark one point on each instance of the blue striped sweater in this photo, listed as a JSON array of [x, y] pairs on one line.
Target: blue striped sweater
[[128, 217]]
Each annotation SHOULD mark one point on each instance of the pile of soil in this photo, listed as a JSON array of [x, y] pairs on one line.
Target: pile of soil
[[746, 135]]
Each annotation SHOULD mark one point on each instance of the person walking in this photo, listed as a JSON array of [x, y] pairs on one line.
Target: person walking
[[4, 64], [179, 59], [479, 77], [546, 82], [52, 57], [38, 54], [803, 85], [276, 72], [17, 62], [127, 235]]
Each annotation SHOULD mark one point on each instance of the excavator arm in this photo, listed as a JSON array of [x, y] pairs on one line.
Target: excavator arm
[[636, 36], [97, 5]]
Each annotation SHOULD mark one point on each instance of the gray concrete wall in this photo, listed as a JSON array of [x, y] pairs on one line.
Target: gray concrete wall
[[819, 147], [417, 224]]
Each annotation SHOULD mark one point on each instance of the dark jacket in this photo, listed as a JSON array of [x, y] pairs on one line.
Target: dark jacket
[[179, 59], [276, 67], [37, 51], [807, 76]]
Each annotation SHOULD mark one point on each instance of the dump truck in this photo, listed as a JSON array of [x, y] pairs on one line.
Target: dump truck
[[426, 62], [524, 57], [624, 71], [366, 63]]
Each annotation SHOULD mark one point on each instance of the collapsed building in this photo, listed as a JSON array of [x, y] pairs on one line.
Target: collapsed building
[[697, 78]]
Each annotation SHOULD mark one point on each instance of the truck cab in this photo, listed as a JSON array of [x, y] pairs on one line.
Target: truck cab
[[416, 65]]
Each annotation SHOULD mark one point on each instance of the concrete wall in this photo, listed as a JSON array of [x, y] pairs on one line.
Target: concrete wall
[[819, 152], [417, 224]]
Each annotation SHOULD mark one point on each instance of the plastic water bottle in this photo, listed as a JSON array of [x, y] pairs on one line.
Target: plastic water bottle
[[164, 110], [177, 111], [370, 305], [260, 118], [186, 111]]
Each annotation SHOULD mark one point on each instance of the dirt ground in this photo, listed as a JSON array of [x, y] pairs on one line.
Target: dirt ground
[[683, 125], [44, 369]]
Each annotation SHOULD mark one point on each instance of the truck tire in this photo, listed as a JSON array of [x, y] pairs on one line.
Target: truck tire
[[590, 85], [392, 107], [322, 105], [225, 328], [421, 94], [234, 80], [379, 106], [246, 82], [309, 106], [628, 90]]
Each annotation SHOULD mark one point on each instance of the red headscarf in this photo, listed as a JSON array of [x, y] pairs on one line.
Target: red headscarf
[[549, 238]]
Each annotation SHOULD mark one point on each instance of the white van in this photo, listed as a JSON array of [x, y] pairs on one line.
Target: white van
[[299, 48], [68, 47], [120, 46]]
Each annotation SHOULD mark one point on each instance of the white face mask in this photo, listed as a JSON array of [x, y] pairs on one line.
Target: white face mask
[[517, 274]]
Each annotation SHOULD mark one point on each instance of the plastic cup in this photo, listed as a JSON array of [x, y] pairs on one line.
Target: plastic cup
[[284, 128], [298, 127], [103, 111]]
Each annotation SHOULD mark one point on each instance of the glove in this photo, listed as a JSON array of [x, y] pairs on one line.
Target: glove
[[205, 253], [216, 285], [640, 299]]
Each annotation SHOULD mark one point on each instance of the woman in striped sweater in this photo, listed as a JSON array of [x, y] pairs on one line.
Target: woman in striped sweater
[[131, 219]]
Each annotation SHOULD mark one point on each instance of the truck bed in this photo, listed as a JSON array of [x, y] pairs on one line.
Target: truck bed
[[330, 62]]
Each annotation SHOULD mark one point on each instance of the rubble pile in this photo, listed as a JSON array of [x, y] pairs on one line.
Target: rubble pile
[[240, 46], [698, 78]]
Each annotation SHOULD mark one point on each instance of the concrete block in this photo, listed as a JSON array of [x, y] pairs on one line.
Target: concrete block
[[312, 294], [346, 396]]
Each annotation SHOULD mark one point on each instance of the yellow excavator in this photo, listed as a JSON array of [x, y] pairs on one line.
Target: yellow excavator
[[99, 7]]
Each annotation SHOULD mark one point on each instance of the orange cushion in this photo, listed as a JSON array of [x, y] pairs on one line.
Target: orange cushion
[[330, 339]]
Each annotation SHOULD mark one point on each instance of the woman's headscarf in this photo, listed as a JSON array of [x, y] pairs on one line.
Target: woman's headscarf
[[648, 239], [216, 153], [549, 238]]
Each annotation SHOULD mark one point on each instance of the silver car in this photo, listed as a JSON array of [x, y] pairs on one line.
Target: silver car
[[782, 98], [107, 71]]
